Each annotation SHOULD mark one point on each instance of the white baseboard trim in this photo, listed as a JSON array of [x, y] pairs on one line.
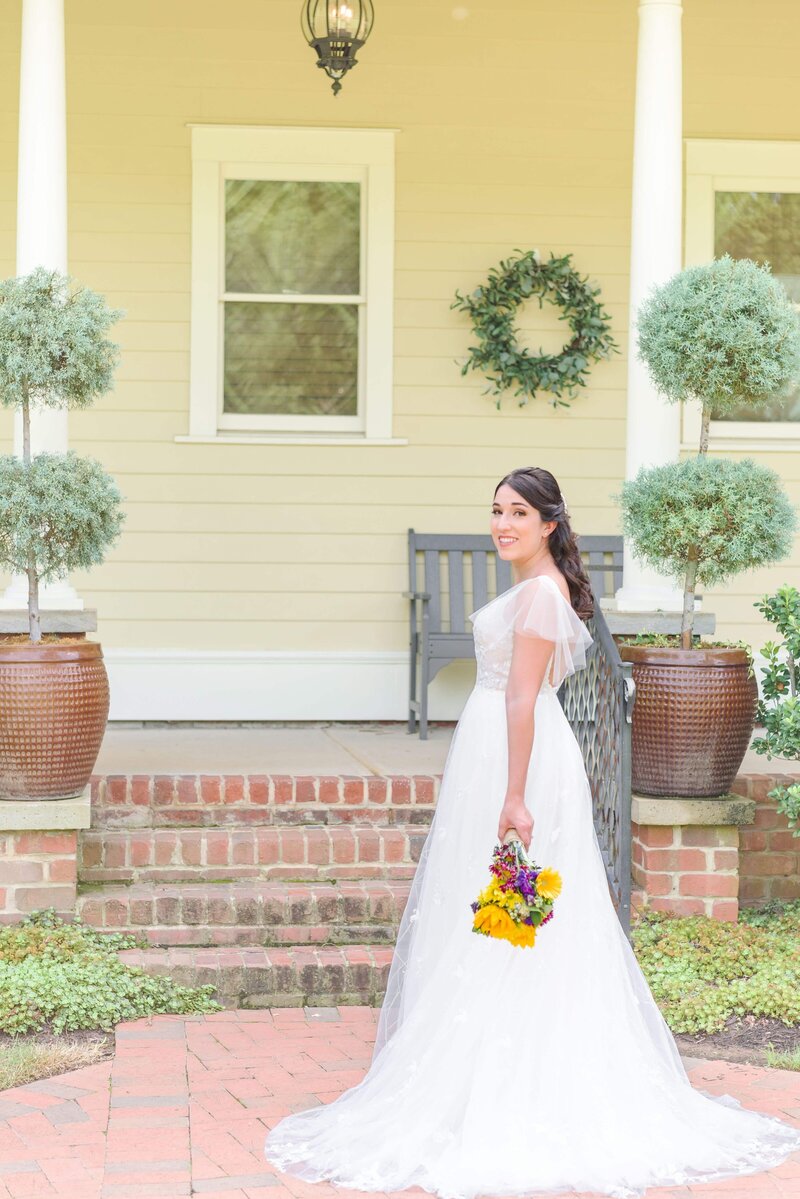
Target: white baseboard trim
[[166, 684], [155, 684]]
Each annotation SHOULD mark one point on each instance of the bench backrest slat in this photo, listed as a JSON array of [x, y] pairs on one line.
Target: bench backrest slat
[[503, 572], [602, 556], [433, 585], [480, 582], [457, 596]]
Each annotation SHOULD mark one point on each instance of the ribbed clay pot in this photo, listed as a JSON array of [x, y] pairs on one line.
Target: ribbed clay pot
[[692, 719], [53, 710]]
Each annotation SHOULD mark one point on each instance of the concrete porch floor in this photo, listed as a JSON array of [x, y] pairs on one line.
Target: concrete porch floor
[[313, 748], [324, 748]]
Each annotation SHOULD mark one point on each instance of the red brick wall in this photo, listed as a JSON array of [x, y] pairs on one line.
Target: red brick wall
[[37, 870], [686, 869], [769, 866]]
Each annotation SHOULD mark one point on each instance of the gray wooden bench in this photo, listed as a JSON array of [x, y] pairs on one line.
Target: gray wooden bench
[[453, 574]]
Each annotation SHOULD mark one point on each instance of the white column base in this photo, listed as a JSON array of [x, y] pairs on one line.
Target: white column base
[[644, 598], [60, 594], [644, 590]]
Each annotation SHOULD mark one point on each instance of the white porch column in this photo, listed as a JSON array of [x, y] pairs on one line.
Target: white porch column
[[42, 218], [653, 426]]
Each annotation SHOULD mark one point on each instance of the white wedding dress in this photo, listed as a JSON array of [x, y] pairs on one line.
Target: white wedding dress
[[500, 1070]]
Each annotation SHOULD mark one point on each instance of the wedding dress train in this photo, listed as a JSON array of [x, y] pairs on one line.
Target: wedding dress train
[[499, 1070]]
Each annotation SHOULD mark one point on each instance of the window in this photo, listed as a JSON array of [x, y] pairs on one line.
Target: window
[[292, 283], [743, 199]]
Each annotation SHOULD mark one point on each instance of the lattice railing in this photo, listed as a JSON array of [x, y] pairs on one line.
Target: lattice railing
[[598, 703]]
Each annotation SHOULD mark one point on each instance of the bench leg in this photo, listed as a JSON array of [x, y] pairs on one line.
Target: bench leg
[[423, 695], [412, 684]]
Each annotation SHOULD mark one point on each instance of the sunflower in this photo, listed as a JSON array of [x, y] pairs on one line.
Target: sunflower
[[494, 922], [548, 883]]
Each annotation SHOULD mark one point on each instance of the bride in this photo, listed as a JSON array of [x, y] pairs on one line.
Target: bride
[[500, 1070]]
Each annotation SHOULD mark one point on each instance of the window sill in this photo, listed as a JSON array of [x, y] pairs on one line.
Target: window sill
[[774, 444], [286, 439]]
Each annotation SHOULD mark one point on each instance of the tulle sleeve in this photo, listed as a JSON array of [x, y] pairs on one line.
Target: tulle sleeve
[[536, 608]]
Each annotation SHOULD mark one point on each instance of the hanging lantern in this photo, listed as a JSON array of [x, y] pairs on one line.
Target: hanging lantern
[[337, 29]]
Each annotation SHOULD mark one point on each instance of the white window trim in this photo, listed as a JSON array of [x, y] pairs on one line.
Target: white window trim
[[264, 152], [720, 165]]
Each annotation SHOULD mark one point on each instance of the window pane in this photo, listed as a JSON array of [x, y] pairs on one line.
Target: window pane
[[290, 238], [764, 226], [291, 358]]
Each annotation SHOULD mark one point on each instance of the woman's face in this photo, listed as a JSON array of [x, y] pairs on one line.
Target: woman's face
[[518, 531]]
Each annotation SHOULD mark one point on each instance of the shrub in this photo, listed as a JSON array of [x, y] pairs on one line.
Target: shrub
[[68, 976], [721, 334], [725, 516], [61, 509], [779, 710]]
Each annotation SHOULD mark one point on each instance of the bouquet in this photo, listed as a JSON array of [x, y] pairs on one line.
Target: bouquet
[[519, 897]]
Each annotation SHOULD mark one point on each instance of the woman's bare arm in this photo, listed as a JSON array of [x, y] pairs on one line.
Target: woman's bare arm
[[528, 665]]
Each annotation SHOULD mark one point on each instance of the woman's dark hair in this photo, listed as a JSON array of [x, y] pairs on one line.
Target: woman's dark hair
[[540, 489]]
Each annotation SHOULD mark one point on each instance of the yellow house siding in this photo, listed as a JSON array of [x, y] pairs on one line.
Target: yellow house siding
[[515, 131], [216, 552]]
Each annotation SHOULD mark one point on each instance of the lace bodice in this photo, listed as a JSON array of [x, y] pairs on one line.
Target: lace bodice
[[534, 608], [494, 659]]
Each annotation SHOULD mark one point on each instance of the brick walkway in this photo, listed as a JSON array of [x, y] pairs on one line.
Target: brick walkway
[[184, 1106]]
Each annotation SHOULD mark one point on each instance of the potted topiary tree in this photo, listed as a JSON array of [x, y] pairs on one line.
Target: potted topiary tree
[[58, 512], [720, 334]]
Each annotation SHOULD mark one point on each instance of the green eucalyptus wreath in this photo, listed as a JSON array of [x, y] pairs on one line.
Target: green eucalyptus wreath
[[498, 353]]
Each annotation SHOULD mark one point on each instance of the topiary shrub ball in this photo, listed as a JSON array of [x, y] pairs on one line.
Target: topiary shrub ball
[[63, 508], [724, 333], [53, 345], [736, 516]]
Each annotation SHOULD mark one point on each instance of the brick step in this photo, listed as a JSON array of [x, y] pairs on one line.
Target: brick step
[[293, 977], [158, 800], [219, 854], [269, 913], [238, 817]]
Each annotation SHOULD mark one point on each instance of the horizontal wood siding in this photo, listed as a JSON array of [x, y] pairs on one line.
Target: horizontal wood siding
[[515, 131]]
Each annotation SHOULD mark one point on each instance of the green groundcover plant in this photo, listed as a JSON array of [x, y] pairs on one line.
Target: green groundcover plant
[[703, 971], [673, 641], [721, 334], [67, 976]]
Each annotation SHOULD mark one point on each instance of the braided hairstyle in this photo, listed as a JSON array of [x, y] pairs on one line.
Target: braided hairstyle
[[540, 489]]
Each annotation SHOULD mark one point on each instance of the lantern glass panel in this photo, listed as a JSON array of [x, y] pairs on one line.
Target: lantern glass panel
[[343, 19]]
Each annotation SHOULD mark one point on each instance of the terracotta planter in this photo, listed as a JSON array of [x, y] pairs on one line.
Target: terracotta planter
[[692, 720], [53, 711]]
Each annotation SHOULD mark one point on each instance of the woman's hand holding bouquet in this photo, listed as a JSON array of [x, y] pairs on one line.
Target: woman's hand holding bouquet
[[519, 897], [515, 815]]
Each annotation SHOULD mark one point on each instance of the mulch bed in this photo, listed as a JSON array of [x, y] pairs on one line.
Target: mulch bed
[[743, 1039]]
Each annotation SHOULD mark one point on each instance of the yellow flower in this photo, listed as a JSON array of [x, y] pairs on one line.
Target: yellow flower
[[497, 923], [548, 883], [525, 935], [494, 921]]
